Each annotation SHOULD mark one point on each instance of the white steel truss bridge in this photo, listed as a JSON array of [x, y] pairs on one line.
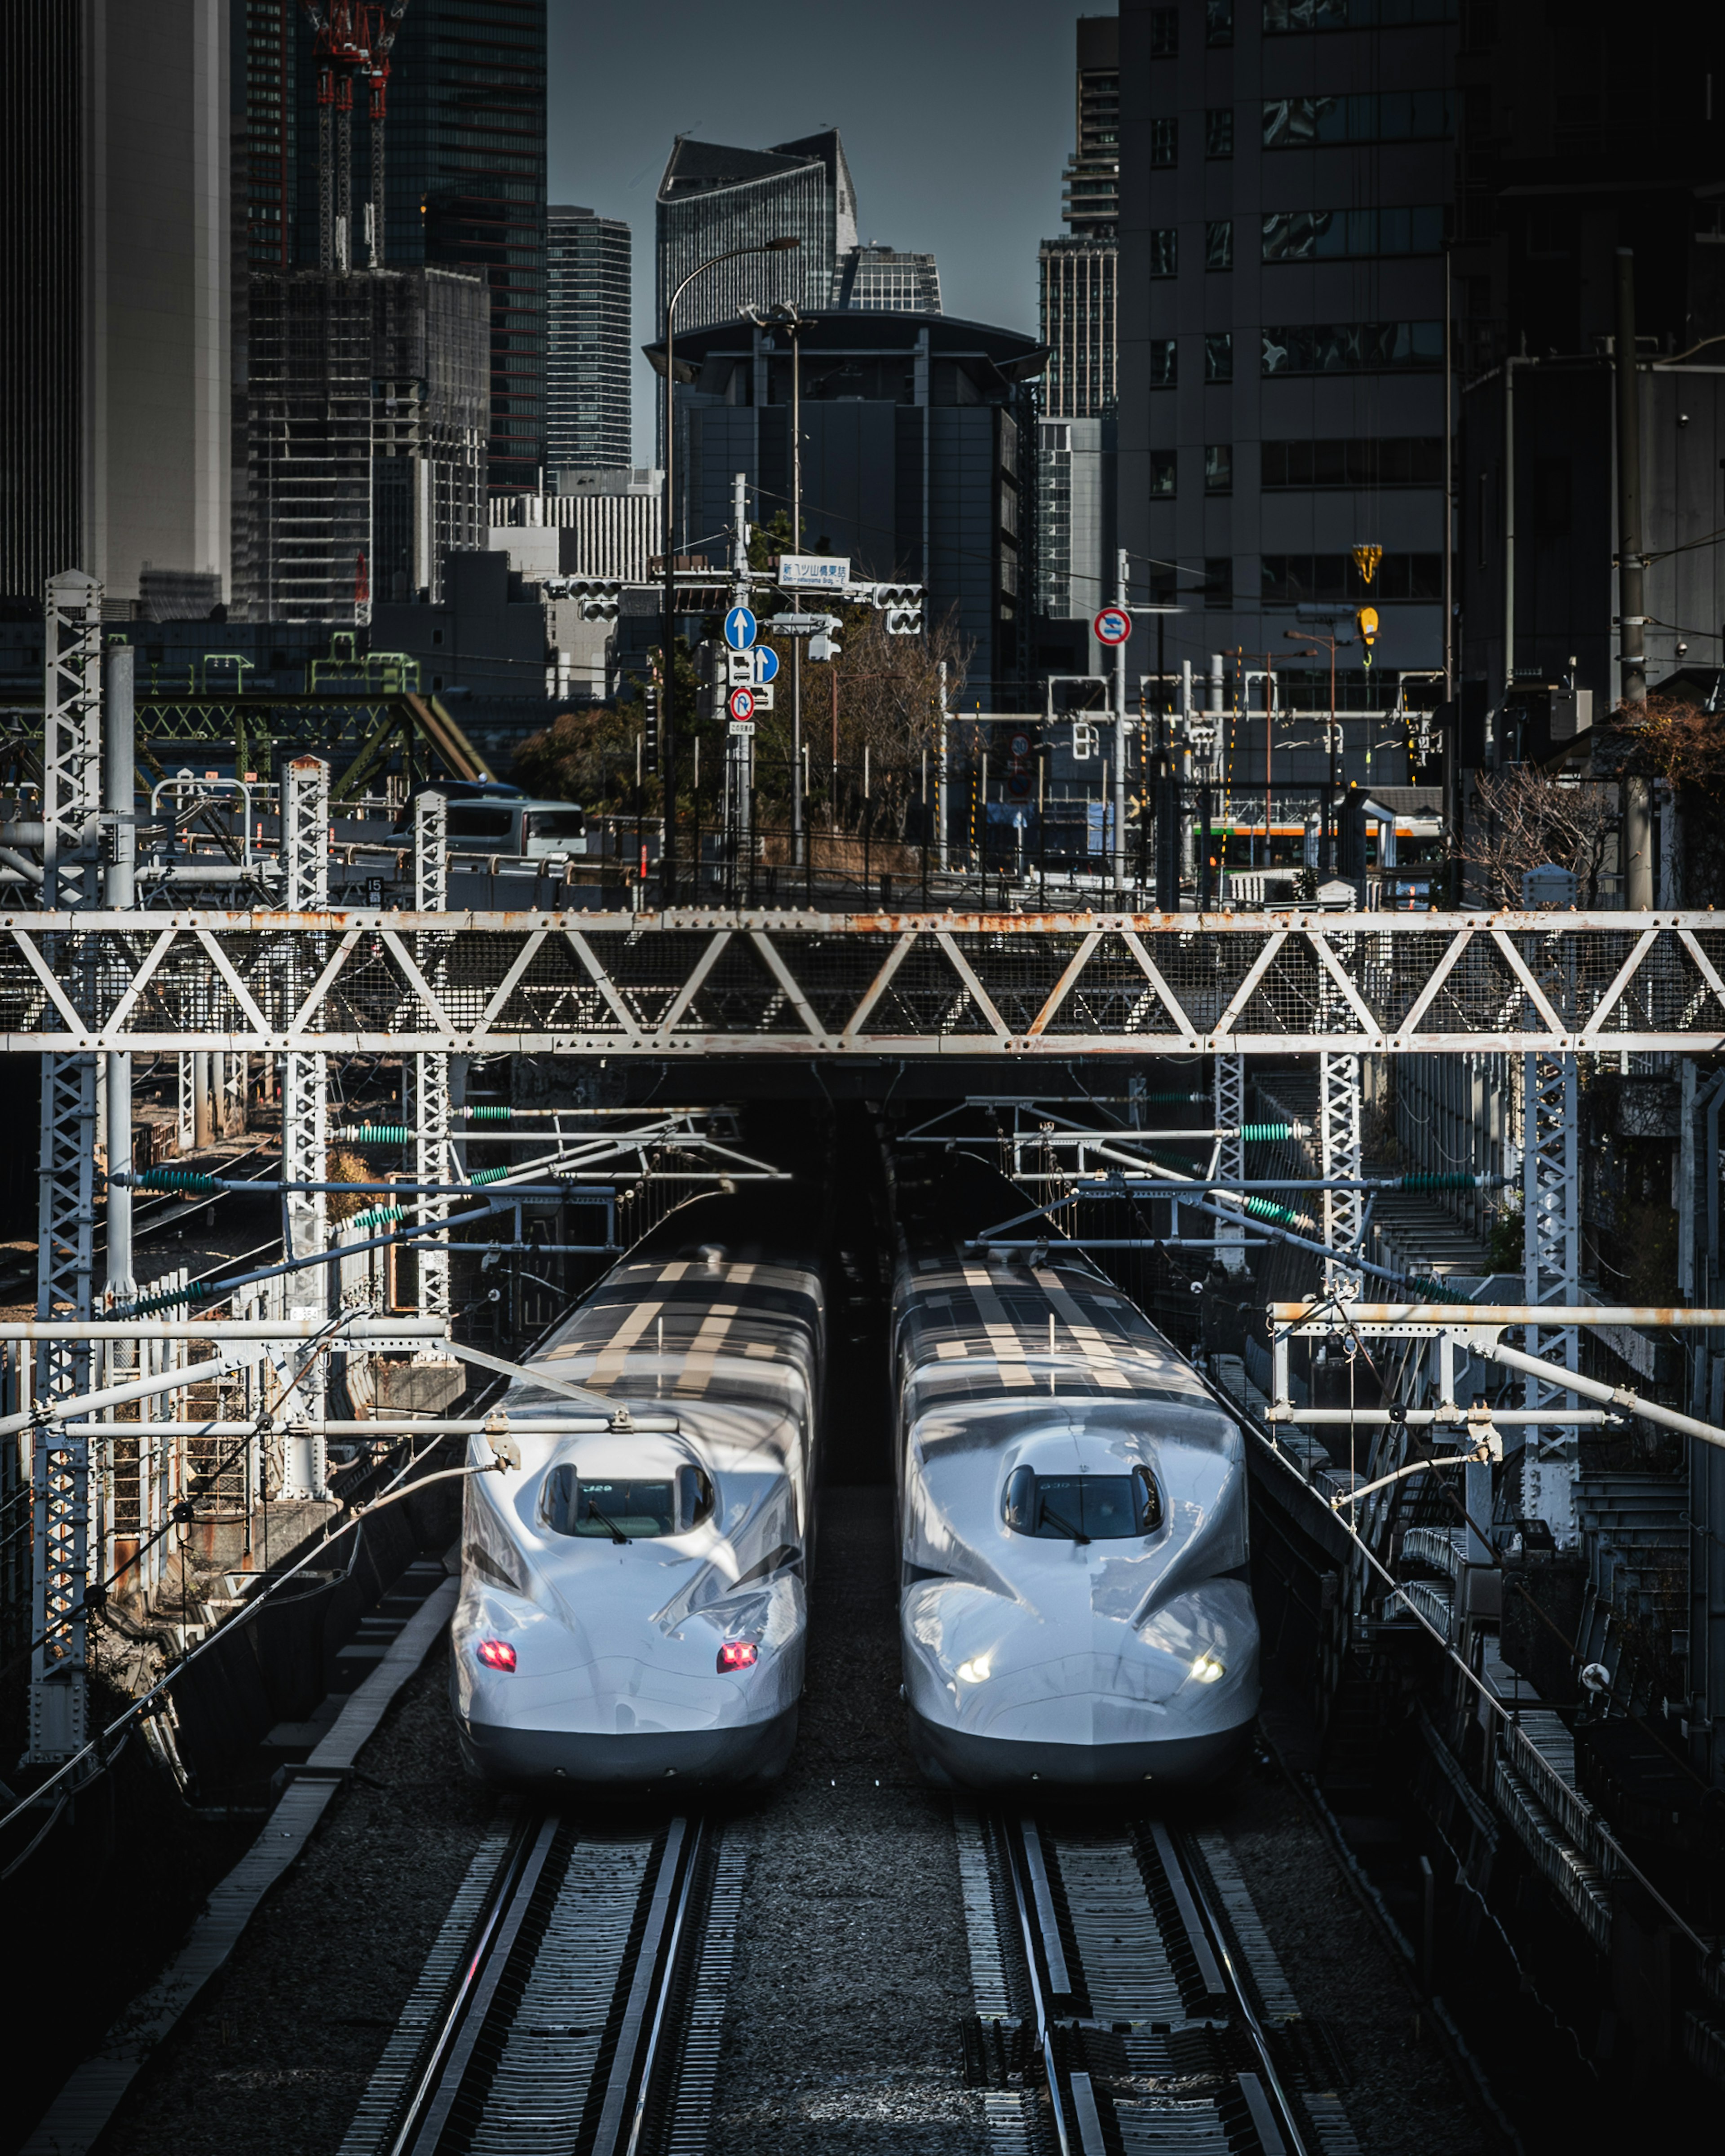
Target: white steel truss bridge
[[695, 984]]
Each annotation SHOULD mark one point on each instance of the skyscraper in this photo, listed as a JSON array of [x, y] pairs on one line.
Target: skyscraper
[[1076, 279], [1285, 172], [1077, 273], [464, 186], [712, 198], [272, 56], [587, 319], [117, 260]]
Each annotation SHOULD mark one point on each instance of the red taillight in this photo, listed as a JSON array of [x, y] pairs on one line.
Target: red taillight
[[738, 1654], [496, 1654]]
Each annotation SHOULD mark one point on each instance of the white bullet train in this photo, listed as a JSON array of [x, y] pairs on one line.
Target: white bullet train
[[635, 1602], [1075, 1603]]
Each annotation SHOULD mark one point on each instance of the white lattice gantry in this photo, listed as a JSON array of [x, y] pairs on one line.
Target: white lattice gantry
[[1551, 1243], [304, 1107]]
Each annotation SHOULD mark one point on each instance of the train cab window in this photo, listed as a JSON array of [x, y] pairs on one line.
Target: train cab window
[[1084, 1508], [637, 1507]]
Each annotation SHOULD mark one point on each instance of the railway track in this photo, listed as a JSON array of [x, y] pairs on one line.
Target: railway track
[[572, 2001], [1128, 2001]]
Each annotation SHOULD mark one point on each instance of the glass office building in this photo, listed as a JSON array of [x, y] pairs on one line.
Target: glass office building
[[587, 318]]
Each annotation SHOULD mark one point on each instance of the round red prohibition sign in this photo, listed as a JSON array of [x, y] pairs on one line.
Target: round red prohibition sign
[[742, 703], [1113, 625]]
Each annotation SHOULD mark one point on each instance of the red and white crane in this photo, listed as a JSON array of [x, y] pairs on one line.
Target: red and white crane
[[352, 40]]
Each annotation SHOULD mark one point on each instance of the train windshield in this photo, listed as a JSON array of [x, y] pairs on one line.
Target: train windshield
[[634, 1507], [1082, 1508]]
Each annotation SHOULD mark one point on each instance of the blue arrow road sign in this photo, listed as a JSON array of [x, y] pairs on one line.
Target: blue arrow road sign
[[766, 665], [739, 629]]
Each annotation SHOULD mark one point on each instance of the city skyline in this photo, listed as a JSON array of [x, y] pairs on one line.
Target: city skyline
[[974, 181]]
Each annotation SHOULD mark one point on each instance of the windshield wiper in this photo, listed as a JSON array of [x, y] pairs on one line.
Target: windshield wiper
[[616, 1532], [1064, 1526]]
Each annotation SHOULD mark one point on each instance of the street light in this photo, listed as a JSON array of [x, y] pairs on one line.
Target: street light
[[783, 245], [783, 316], [1331, 785]]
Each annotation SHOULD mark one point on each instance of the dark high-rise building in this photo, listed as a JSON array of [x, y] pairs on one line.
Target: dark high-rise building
[[366, 418], [1287, 168], [269, 179], [588, 290], [116, 259], [713, 198], [1076, 274], [464, 186], [917, 434]]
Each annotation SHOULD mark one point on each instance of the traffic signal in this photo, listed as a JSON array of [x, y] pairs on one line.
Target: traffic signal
[[902, 605], [823, 646], [597, 598], [650, 723]]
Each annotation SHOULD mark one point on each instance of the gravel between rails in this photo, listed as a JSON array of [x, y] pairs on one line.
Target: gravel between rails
[[852, 1968], [277, 2054], [1402, 2094]]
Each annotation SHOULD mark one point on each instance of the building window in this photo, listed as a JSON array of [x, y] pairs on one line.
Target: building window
[[1164, 141], [1164, 33], [1219, 246], [1164, 363], [1219, 131], [1219, 22], [1286, 18], [1218, 356], [1164, 251], [1219, 468], [1352, 347], [1313, 235], [1389, 115], [1164, 464], [1369, 460], [1332, 579], [1219, 580]]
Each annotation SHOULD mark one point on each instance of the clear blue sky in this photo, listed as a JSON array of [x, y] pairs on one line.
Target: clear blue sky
[[956, 115]]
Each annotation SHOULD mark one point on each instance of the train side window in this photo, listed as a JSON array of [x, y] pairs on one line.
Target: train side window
[[695, 1497], [1020, 1509], [1149, 1500], [559, 1498]]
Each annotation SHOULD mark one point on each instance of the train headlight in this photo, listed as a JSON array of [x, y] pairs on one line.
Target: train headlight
[[1208, 1669], [738, 1654], [975, 1671], [496, 1654]]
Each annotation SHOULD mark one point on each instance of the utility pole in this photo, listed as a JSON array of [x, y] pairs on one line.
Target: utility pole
[[667, 863], [795, 327], [1637, 801], [940, 783]]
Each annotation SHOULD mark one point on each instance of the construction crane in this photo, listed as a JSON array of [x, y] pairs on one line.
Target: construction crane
[[352, 38]]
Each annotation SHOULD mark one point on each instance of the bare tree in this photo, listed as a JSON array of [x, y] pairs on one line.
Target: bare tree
[[1523, 820], [1684, 742]]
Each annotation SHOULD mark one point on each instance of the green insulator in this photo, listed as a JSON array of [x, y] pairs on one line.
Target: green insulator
[[1265, 1133], [481, 1176], [1174, 1100], [194, 1292], [380, 1216], [379, 1134], [1436, 1291], [1424, 1182], [493, 1114], [175, 1178], [1267, 1209]]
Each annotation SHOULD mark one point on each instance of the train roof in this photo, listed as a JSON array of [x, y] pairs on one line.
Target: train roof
[[1003, 1332], [740, 1330]]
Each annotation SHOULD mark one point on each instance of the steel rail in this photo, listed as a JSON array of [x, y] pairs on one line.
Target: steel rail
[[457, 2063]]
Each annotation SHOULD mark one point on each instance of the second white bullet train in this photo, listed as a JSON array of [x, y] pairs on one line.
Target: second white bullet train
[[634, 1601], [1073, 1532]]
